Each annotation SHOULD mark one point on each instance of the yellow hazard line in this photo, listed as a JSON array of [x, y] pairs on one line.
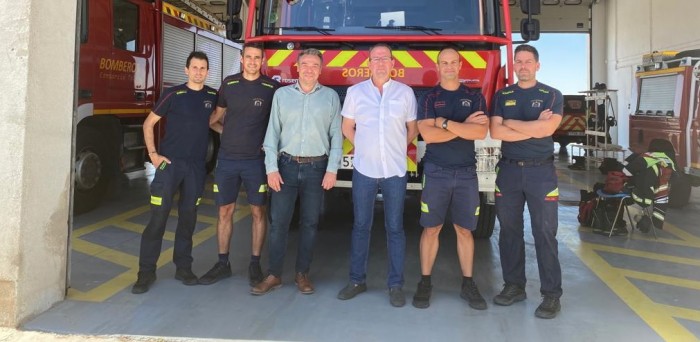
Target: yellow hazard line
[[125, 279], [658, 316]]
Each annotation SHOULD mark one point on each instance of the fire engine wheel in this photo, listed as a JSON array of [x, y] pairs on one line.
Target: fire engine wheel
[[487, 219], [212, 150], [91, 173], [679, 193]]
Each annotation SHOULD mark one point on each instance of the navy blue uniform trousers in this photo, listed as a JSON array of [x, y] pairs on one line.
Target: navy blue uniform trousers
[[184, 176], [534, 183]]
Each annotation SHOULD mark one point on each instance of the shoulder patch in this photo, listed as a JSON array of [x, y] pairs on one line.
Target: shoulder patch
[[180, 92], [510, 103], [543, 91], [506, 92], [267, 85], [232, 82]]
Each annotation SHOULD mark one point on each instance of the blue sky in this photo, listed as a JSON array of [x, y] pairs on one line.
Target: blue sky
[[564, 61]]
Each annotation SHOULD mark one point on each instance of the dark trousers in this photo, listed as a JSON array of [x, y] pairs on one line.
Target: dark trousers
[[536, 185], [188, 178], [301, 180]]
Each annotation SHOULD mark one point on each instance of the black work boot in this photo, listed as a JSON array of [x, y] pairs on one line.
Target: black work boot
[[549, 308], [220, 271], [186, 276], [421, 299], [511, 293], [144, 281]]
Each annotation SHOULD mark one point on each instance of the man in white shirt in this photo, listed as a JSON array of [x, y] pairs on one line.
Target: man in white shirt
[[379, 118]]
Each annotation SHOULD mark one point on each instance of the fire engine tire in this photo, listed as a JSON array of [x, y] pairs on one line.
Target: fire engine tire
[[679, 194], [212, 150], [487, 219], [92, 172]]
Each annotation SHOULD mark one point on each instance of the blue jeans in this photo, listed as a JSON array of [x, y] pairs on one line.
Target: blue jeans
[[302, 180], [364, 191]]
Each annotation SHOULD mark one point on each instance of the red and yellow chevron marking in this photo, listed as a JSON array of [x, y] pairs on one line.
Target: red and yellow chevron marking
[[404, 59], [411, 153], [572, 123], [190, 18]]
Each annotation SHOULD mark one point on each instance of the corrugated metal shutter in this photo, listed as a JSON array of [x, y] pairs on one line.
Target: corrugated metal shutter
[[232, 60], [177, 45], [658, 95], [213, 50]]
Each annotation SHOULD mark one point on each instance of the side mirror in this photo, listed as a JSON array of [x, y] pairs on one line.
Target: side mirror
[[234, 28], [529, 6], [530, 29], [233, 8]]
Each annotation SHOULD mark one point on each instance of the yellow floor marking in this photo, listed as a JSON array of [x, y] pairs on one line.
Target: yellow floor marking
[[104, 253], [646, 255], [659, 320], [661, 279], [138, 229], [118, 218], [682, 313], [113, 286]]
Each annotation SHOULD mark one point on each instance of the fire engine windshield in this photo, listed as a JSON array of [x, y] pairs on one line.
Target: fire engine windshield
[[372, 17]]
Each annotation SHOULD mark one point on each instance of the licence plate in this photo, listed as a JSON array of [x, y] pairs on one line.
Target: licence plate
[[346, 162]]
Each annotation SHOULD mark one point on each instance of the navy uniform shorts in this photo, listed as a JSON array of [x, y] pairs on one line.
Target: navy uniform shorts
[[453, 189], [229, 176]]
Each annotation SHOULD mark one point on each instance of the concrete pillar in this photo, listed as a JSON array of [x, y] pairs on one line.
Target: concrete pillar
[[37, 38]]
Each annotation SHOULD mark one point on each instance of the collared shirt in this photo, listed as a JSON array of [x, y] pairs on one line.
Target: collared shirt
[[304, 125], [380, 126]]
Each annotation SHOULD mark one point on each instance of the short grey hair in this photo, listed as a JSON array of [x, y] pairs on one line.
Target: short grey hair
[[310, 52]]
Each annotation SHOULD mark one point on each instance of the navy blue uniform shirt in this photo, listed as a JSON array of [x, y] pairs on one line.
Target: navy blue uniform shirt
[[517, 103], [187, 125], [454, 105]]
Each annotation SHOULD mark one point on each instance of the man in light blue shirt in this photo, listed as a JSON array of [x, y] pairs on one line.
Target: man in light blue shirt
[[303, 145], [379, 118]]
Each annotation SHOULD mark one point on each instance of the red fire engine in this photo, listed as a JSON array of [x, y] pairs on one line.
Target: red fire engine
[[668, 91], [130, 50], [416, 30]]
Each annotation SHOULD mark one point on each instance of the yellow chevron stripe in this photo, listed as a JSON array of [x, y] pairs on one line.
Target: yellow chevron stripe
[[411, 166], [365, 64], [553, 193], [341, 59], [278, 57], [347, 146], [474, 59], [406, 59], [432, 54]]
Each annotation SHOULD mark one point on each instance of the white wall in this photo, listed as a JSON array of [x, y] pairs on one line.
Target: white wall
[[38, 44], [636, 27]]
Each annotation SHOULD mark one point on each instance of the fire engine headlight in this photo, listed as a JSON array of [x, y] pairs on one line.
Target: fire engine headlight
[[290, 46]]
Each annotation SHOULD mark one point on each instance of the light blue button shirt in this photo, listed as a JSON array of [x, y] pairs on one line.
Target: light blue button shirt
[[305, 125], [380, 126]]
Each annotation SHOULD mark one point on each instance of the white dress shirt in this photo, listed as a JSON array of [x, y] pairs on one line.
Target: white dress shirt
[[380, 126]]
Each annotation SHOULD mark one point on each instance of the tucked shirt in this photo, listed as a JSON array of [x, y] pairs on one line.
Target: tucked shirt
[[380, 126], [247, 106], [187, 125], [304, 125], [454, 105], [517, 103]]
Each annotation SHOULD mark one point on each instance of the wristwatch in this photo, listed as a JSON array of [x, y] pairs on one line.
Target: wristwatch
[[444, 124]]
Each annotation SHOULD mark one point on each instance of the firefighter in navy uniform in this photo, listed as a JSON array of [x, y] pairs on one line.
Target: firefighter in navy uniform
[[180, 166], [524, 117]]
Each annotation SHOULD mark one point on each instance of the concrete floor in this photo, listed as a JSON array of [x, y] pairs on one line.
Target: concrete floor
[[625, 288]]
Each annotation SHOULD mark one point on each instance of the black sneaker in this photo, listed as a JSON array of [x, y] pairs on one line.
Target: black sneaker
[[396, 297], [511, 293], [421, 299], [186, 276], [219, 271], [144, 281], [255, 275], [351, 290], [471, 294], [549, 308]]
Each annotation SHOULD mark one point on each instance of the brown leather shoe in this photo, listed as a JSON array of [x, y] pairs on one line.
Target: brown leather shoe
[[268, 284], [303, 283]]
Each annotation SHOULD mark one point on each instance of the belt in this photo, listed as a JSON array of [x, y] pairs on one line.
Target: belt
[[303, 160], [531, 162]]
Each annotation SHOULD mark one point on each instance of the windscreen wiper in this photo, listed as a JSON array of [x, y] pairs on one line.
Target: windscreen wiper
[[320, 30], [408, 28]]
